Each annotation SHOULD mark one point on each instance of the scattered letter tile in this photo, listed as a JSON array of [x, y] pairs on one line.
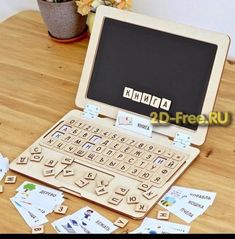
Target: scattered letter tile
[[48, 172], [38, 230], [121, 222], [61, 209], [68, 172], [163, 215], [141, 207], [81, 182], [101, 190], [10, 179]]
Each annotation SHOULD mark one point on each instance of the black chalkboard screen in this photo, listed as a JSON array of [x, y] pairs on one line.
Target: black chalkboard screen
[[153, 62]]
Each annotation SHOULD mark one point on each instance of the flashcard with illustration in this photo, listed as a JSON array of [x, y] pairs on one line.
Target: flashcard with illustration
[[31, 219], [154, 226], [84, 221], [61, 226], [186, 203], [92, 222]]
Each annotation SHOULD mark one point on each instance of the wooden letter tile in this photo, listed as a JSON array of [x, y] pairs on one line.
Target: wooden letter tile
[[99, 183], [48, 172], [144, 186], [149, 194], [102, 182], [132, 199], [67, 160], [68, 172], [61, 209], [122, 191], [36, 157], [165, 104], [71, 121], [178, 157], [36, 150], [101, 191], [163, 215], [90, 175], [141, 207], [51, 163], [114, 199], [121, 222], [10, 179], [38, 230], [22, 160], [81, 182]]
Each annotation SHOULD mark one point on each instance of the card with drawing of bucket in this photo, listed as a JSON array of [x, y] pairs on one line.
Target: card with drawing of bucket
[[187, 203]]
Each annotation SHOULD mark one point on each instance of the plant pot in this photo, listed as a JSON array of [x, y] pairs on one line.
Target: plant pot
[[62, 19]]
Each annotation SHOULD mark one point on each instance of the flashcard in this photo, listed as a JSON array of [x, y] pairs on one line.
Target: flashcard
[[2, 174], [32, 207], [4, 166], [60, 225], [139, 124], [154, 226], [28, 216], [207, 197], [43, 193], [91, 221], [187, 203], [40, 201], [122, 120], [84, 221], [34, 202]]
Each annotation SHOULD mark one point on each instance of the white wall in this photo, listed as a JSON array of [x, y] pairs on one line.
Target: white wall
[[217, 15], [11, 7]]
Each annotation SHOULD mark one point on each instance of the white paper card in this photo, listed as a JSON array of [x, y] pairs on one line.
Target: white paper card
[[4, 166], [154, 226], [31, 219], [138, 124], [84, 221], [187, 203], [34, 202]]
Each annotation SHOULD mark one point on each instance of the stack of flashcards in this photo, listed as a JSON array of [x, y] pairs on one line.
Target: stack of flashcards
[[84, 221], [154, 226], [4, 166], [187, 203], [34, 202]]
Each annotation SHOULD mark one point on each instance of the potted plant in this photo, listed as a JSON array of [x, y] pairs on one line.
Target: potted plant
[[88, 7], [63, 21]]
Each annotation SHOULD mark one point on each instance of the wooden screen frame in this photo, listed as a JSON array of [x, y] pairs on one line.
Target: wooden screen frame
[[221, 40]]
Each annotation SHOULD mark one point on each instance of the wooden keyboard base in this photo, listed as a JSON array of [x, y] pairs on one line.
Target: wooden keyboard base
[[126, 195]]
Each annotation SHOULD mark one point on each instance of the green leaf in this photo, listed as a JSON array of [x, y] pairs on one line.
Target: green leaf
[[29, 186]]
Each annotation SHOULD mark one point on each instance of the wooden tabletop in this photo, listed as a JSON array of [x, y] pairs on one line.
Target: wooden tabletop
[[38, 84]]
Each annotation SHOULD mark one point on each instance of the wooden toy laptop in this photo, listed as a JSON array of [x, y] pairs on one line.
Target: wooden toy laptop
[[135, 64]]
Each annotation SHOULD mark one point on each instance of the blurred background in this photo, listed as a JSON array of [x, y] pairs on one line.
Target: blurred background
[[214, 15]]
